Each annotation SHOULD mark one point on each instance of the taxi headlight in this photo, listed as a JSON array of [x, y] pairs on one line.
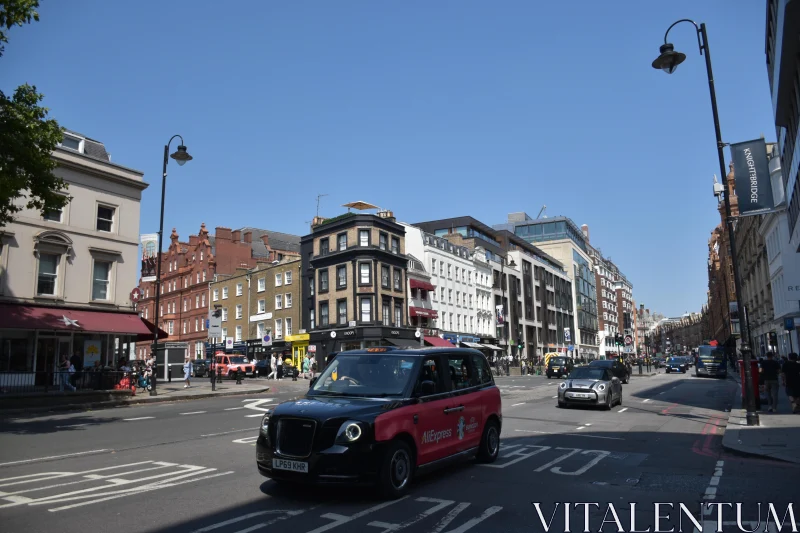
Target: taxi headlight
[[265, 422], [350, 431], [563, 385]]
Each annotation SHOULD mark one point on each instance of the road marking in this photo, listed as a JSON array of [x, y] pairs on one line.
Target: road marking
[[218, 525], [558, 459], [516, 404], [23, 461], [647, 400], [440, 504], [601, 454], [233, 408], [519, 455], [247, 440], [228, 432], [711, 490], [72, 426], [477, 520], [556, 396], [585, 436], [253, 416], [530, 431], [587, 424], [193, 413], [622, 410], [339, 520], [138, 418], [449, 517]]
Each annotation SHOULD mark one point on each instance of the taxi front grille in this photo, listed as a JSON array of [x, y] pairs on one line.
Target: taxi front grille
[[295, 436]]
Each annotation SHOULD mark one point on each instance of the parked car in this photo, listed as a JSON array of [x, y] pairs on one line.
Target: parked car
[[383, 415], [200, 367], [616, 367], [262, 367], [590, 386]]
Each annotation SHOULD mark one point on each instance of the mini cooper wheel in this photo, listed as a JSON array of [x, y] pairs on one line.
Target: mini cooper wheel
[[607, 405], [396, 470], [619, 400], [490, 443]]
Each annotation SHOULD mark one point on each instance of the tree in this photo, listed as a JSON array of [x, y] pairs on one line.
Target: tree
[[27, 136]]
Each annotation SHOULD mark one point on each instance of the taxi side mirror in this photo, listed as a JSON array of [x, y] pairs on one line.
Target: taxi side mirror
[[311, 384], [426, 388]]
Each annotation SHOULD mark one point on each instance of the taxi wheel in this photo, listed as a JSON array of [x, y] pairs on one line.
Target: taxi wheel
[[396, 470], [490, 443]]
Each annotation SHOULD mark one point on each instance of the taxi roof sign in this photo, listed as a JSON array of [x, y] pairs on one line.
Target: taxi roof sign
[[374, 350]]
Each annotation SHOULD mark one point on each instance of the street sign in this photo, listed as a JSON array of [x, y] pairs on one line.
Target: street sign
[[312, 348], [788, 324], [571, 347], [266, 340], [229, 342], [628, 349], [214, 325], [628, 340], [136, 295]]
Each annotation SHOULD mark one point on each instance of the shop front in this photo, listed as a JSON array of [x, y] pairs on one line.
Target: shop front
[[34, 340], [299, 344], [329, 342]]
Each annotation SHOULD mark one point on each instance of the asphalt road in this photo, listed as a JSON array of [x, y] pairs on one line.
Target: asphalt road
[[190, 467]]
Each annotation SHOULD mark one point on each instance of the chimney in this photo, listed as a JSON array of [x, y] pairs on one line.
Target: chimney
[[248, 237], [193, 240], [265, 240], [222, 234], [585, 230], [236, 235]]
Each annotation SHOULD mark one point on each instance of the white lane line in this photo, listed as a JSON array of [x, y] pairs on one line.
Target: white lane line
[[253, 416], [138, 418], [23, 461], [622, 410], [72, 426], [582, 435], [228, 432], [531, 431], [233, 408], [581, 427], [339, 520], [193, 413], [587, 424], [647, 400], [516, 404], [554, 397]]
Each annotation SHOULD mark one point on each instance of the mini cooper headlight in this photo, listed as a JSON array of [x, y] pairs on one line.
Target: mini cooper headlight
[[350, 431], [601, 387], [563, 385]]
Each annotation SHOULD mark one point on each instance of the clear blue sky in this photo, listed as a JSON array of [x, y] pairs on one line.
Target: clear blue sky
[[429, 108]]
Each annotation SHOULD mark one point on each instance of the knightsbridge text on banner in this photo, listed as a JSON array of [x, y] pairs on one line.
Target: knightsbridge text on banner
[[751, 175], [664, 517]]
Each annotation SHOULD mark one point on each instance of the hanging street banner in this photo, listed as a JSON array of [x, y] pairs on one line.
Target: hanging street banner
[[149, 247], [751, 175]]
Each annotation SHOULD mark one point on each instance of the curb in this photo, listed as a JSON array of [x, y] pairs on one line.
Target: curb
[[126, 403]]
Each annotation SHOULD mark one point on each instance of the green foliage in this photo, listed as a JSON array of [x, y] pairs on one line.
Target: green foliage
[[337, 218], [27, 136]]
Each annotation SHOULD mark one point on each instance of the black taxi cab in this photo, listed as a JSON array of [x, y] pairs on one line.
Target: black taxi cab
[[381, 415]]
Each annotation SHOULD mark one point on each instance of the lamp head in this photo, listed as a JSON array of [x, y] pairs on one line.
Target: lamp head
[[669, 59], [181, 155]]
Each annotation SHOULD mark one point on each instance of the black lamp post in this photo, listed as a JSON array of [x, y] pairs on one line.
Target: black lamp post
[[181, 156], [668, 61]]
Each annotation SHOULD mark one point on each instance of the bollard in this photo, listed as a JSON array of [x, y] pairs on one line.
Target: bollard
[[239, 376], [213, 377], [169, 373], [640, 368], [294, 374]]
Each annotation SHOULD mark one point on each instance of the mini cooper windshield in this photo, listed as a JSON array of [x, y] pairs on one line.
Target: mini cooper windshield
[[586, 372], [366, 375]]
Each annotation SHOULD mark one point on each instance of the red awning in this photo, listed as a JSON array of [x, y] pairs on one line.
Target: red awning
[[55, 318], [438, 341], [426, 313], [417, 284]]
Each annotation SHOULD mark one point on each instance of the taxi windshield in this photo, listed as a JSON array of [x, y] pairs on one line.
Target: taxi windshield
[[238, 360], [558, 361], [586, 372], [366, 375]]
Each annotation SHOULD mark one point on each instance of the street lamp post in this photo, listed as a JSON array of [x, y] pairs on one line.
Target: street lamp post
[[668, 61], [181, 156]]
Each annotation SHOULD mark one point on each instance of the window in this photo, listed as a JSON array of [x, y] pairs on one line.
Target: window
[[197, 324], [383, 243], [433, 266], [366, 309], [278, 280], [342, 241], [238, 334], [341, 312], [287, 278], [311, 286], [288, 299], [203, 299], [395, 245], [53, 215], [224, 314], [201, 255], [278, 328], [48, 274], [197, 301], [170, 327], [239, 311], [323, 246], [185, 305], [398, 315], [262, 284], [323, 280], [101, 280], [442, 297], [312, 318], [71, 142], [261, 330], [449, 272], [288, 326], [449, 295], [365, 274], [386, 313], [397, 284], [184, 327], [224, 333], [384, 277], [224, 293], [363, 237], [431, 371], [483, 372], [461, 373], [341, 276], [323, 314], [279, 301], [105, 218], [238, 289]]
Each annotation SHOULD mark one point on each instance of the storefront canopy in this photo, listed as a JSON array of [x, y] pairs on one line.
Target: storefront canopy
[[33, 317], [419, 284], [439, 342], [403, 343], [472, 345], [493, 347], [419, 311]]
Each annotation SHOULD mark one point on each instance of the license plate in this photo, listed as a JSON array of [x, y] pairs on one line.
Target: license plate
[[292, 466], [580, 395]]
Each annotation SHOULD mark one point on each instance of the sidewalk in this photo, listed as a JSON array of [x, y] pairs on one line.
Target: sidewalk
[[778, 436]]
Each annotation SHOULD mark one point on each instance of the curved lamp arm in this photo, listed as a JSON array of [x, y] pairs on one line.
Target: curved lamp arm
[[696, 27]]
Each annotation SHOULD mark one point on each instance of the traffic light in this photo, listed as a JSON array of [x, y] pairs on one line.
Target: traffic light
[[520, 344], [217, 313]]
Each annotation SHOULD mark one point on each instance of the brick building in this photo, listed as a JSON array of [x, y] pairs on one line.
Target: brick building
[[189, 267]]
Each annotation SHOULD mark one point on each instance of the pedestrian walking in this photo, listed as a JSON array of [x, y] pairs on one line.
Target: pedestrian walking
[[273, 366], [67, 371], [187, 372], [306, 367], [279, 365], [770, 372], [791, 380]]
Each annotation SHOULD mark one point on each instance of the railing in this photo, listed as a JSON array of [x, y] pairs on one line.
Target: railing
[[38, 382]]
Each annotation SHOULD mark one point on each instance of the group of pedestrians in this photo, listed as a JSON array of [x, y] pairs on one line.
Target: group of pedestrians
[[786, 373], [276, 364]]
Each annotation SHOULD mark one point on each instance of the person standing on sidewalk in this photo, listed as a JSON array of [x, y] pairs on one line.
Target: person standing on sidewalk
[[791, 380], [187, 372], [273, 366], [306, 367], [770, 372]]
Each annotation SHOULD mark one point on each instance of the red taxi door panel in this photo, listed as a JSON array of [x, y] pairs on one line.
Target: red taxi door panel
[[465, 411], [435, 430]]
